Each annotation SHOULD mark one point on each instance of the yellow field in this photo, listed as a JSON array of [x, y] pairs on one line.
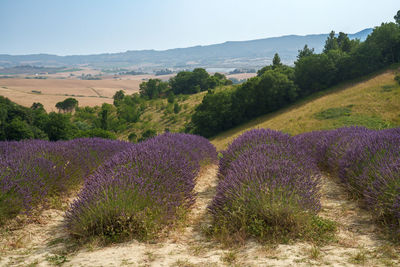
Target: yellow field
[[373, 100], [241, 76], [87, 92]]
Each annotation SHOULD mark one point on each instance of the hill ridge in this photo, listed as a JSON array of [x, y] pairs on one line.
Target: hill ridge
[[227, 54]]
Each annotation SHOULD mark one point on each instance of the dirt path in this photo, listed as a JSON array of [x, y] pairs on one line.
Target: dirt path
[[359, 243]]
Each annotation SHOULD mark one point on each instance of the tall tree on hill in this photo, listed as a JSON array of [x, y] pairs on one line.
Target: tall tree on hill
[[276, 62], [344, 42], [105, 110], [58, 126], [331, 42], [153, 88], [305, 52], [37, 106], [68, 105], [118, 96], [397, 17]]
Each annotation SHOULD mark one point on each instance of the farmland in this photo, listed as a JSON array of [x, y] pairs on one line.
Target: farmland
[[59, 86], [309, 176], [69, 220], [87, 92], [211, 214]]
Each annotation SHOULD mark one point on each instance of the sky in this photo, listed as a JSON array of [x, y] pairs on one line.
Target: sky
[[76, 27]]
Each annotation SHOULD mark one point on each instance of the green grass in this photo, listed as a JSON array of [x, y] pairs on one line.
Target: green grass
[[269, 221], [159, 115], [333, 113], [57, 260]]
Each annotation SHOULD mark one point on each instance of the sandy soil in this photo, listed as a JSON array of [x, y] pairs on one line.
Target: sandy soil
[[359, 242]]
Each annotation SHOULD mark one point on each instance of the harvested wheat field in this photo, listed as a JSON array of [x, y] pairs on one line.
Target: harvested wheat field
[[241, 76], [50, 91]]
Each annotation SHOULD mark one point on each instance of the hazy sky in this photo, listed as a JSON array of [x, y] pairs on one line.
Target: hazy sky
[[96, 26]]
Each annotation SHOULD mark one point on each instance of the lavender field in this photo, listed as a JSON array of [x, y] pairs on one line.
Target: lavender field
[[269, 182], [34, 171], [142, 189], [266, 186], [128, 189], [367, 162]]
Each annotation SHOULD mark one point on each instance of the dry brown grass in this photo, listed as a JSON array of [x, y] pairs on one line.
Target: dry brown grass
[[368, 99], [241, 76]]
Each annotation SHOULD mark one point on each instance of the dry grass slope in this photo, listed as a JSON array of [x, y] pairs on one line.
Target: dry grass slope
[[373, 102]]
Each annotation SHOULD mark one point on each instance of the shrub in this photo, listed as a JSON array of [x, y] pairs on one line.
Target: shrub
[[33, 171], [397, 78], [367, 161], [140, 190], [269, 189], [247, 141], [332, 113]]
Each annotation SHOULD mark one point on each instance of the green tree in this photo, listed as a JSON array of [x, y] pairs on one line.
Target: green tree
[[397, 17], [213, 114], [177, 108], [385, 39], [118, 97], [314, 73], [132, 137], [104, 114], [18, 130], [305, 52], [58, 126], [344, 42], [190, 82], [37, 105], [68, 105], [153, 88], [171, 97], [397, 78], [276, 61], [149, 133], [331, 42], [3, 118]]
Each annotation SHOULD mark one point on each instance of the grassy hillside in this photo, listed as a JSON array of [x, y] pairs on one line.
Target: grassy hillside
[[373, 101], [159, 115]]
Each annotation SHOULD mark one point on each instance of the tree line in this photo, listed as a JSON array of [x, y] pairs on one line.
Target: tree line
[[278, 85], [185, 82], [71, 121]]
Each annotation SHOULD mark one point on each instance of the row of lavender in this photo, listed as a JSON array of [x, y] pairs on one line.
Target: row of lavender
[[268, 188], [140, 190], [32, 172], [367, 161]]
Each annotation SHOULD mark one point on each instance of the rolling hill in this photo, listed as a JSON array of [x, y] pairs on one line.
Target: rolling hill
[[237, 54], [372, 101]]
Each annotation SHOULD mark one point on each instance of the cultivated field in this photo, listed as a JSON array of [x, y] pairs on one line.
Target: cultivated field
[[241, 76], [87, 92], [54, 238]]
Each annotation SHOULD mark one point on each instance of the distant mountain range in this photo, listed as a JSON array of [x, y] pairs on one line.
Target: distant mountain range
[[237, 54]]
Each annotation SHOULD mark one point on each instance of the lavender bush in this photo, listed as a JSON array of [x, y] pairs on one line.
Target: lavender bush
[[141, 189], [368, 162], [246, 142], [269, 190], [33, 171]]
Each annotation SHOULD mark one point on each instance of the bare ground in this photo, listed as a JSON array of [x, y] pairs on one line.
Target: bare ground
[[359, 241]]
